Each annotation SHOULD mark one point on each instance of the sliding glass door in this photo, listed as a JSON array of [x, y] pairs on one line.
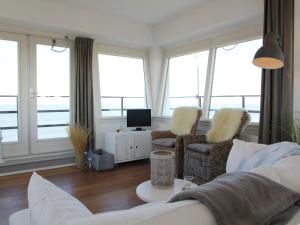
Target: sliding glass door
[[13, 78], [50, 96]]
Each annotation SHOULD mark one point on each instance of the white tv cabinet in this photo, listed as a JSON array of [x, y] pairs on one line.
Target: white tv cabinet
[[128, 145]]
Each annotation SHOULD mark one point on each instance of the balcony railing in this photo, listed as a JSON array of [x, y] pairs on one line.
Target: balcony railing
[[15, 104], [242, 101], [121, 105]]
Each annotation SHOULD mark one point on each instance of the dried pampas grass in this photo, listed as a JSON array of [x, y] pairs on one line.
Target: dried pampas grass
[[78, 136]]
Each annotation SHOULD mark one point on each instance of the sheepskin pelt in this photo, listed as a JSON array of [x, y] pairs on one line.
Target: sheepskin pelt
[[225, 124], [183, 120]]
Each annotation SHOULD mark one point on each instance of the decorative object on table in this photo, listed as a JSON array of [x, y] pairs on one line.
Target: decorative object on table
[[162, 168], [189, 183], [119, 130], [149, 193], [270, 55], [184, 121], [78, 136], [205, 156], [101, 160]]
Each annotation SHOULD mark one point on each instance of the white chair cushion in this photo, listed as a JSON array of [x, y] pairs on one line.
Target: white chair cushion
[[49, 204], [239, 152]]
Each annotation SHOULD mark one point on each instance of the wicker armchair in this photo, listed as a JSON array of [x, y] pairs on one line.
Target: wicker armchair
[[205, 161], [168, 140]]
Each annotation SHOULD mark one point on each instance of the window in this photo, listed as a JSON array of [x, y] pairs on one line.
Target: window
[[186, 81], [9, 77], [233, 80], [53, 91], [236, 81], [122, 84]]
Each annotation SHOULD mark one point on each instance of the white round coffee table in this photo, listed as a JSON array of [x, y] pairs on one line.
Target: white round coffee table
[[148, 193]]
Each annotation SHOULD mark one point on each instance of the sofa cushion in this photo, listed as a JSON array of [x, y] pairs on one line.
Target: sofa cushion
[[288, 170], [159, 213], [239, 152], [201, 148], [49, 204], [165, 142], [268, 172], [21, 217]]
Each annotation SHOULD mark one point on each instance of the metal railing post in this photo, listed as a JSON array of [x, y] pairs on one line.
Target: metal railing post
[[122, 105]]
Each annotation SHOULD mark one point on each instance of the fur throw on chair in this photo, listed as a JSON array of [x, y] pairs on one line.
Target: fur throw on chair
[[225, 124], [183, 119]]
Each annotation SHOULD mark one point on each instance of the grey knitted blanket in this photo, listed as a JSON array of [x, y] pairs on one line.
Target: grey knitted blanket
[[245, 199]]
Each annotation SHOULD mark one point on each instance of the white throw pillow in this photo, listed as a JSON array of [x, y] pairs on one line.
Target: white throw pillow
[[267, 172], [49, 204], [239, 152], [288, 170]]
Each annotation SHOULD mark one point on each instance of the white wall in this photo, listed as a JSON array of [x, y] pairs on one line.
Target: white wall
[[297, 58]]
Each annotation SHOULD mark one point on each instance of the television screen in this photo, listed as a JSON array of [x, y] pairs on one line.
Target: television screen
[[138, 117]]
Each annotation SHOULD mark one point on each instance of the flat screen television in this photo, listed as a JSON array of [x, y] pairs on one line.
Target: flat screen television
[[138, 118]]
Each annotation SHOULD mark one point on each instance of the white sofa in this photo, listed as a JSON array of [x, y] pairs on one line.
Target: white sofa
[[49, 205]]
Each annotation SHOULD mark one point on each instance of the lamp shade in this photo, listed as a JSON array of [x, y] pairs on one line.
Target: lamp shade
[[270, 55]]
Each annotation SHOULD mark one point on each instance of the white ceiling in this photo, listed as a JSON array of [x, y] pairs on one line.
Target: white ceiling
[[146, 11]]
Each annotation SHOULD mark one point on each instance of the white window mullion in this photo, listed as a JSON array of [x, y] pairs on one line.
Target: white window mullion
[[162, 102], [209, 81]]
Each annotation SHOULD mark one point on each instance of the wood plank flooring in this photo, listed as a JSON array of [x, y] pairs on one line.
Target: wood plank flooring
[[99, 191]]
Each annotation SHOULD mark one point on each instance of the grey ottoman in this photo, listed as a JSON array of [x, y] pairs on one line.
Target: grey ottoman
[[102, 160]]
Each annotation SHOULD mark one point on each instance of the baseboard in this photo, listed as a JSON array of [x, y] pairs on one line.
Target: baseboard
[[34, 166]]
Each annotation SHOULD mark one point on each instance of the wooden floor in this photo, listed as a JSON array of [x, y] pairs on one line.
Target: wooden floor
[[99, 191]]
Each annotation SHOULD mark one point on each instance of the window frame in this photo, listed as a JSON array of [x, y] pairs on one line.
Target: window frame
[[166, 88], [122, 52], [211, 45]]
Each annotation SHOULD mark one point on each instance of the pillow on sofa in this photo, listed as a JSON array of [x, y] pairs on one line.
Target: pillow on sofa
[[288, 170], [49, 204], [268, 172], [240, 151]]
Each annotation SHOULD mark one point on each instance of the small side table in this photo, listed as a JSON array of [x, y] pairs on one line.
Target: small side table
[[148, 193]]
